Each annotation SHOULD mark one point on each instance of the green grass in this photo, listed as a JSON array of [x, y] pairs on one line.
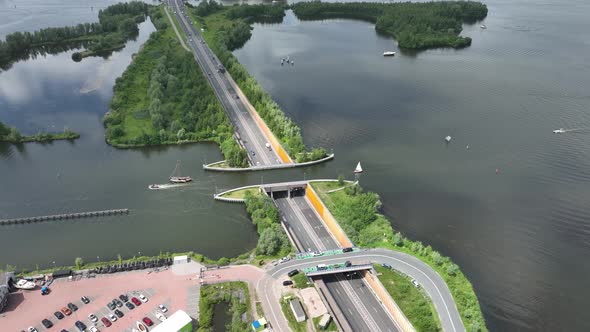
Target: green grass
[[379, 234], [416, 306], [240, 193], [331, 327], [301, 281], [293, 324]]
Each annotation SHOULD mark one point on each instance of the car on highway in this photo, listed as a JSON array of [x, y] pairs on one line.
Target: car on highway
[[349, 249], [135, 301], [58, 315], [81, 326], [47, 323], [292, 273], [316, 253], [119, 313], [237, 97], [85, 300], [72, 307], [162, 308], [147, 321], [143, 298], [252, 152], [387, 266], [287, 283], [93, 318], [129, 305], [123, 298], [106, 322], [66, 311]]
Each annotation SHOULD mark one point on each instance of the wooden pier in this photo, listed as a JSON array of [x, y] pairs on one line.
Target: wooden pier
[[76, 215]]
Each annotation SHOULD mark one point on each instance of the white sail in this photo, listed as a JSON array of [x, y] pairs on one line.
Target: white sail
[[358, 168]]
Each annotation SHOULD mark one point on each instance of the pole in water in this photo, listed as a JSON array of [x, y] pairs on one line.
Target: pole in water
[[497, 171]]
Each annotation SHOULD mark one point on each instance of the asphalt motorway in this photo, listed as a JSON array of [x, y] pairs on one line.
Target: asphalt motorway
[[353, 295], [250, 135]]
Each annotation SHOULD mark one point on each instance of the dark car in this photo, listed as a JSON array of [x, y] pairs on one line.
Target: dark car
[[58, 315], [111, 305], [85, 299], [387, 266], [81, 326], [106, 322], [123, 297], [349, 249], [63, 330], [129, 305], [147, 321], [292, 273], [47, 323], [287, 283], [136, 301], [347, 264], [72, 306], [118, 303], [119, 313]]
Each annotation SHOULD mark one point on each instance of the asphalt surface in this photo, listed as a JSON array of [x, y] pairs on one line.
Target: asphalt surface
[[250, 135], [354, 298]]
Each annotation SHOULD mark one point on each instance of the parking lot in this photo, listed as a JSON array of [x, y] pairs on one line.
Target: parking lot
[[29, 308]]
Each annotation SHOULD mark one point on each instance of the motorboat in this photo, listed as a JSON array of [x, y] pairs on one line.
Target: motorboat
[[559, 131], [25, 284], [448, 139], [389, 53], [483, 26], [154, 186], [177, 178], [141, 327]]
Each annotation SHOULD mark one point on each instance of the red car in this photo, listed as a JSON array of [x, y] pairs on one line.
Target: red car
[[147, 321], [106, 321], [136, 301]]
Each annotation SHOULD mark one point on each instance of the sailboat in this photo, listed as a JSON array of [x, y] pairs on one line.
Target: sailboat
[[176, 177], [358, 168]]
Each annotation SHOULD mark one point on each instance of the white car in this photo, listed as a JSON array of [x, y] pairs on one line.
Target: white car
[[93, 318], [94, 329], [160, 316], [162, 308], [143, 298], [415, 283], [112, 317], [284, 259], [32, 329]]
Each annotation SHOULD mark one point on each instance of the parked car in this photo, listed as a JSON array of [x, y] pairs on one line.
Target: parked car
[[112, 317], [85, 300], [284, 259], [64, 330], [292, 273], [287, 283], [66, 311], [93, 318], [160, 316], [58, 315], [94, 329], [119, 313], [72, 307], [147, 321], [162, 308], [106, 321], [129, 305], [81, 326], [111, 306], [123, 298], [32, 329], [47, 323], [143, 298], [136, 301], [118, 303]]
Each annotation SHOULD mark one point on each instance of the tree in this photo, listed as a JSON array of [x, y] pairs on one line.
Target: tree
[[79, 262], [341, 179], [437, 258], [398, 239], [452, 269], [271, 241]]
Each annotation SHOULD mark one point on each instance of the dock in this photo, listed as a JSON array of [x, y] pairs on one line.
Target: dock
[[65, 216]]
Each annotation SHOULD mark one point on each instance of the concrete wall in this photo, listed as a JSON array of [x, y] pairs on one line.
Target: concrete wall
[[327, 217], [212, 167], [388, 302]]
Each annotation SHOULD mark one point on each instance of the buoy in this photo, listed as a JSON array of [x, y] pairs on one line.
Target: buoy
[[448, 139], [467, 147], [497, 171]]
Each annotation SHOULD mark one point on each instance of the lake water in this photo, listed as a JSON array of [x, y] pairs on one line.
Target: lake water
[[521, 235]]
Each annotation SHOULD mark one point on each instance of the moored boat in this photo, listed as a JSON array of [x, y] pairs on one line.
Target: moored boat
[[176, 177], [25, 284], [389, 53]]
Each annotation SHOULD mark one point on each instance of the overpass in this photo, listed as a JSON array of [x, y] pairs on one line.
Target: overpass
[[335, 268]]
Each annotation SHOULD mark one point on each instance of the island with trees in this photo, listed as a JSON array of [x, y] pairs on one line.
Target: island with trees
[[116, 25], [13, 135], [414, 25]]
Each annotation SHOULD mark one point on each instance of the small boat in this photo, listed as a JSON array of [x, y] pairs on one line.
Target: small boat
[[141, 327], [154, 186], [483, 26], [358, 168], [389, 53], [448, 139], [25, 284], [176, 177], [559, 131]]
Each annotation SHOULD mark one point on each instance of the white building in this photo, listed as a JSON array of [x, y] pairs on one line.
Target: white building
[[179, 321]]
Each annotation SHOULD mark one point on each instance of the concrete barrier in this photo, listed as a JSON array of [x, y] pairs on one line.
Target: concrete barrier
[[327, 217], [212, 167]]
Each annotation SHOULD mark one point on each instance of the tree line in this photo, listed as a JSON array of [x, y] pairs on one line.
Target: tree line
[[265, 215], [413, 25], [13, 135], [117, 23]]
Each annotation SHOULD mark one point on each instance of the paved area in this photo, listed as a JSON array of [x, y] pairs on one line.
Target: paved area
[[313, 302], [28, 308]]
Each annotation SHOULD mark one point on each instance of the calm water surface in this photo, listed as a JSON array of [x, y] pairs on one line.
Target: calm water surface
[[522, 236]]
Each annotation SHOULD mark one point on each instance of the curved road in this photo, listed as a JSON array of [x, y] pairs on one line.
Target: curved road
[[428, 278]]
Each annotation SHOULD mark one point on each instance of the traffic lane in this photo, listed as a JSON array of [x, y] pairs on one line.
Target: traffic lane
[[270, 304], [428, 278], [375, 308], [318, 225], [295, 224], [346, 305]]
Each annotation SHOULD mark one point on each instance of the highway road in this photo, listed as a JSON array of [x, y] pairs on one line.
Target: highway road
[[250, 135], [360, 306]]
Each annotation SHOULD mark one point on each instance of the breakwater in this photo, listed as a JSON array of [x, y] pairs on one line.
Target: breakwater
[[75, 215]]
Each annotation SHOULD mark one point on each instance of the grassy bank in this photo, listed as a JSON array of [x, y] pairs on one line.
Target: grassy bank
[[228, 28], [164, 98], [358, 214], [241, 193], [416, 306], [236, 295], [414, 25], [12, 135]]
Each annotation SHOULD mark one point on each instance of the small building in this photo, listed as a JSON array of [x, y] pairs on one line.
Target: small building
[[297, 310], [6, 286], [179, 321], [325, 321], [180, 259]]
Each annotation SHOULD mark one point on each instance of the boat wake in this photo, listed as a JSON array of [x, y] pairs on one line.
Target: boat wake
[[562, 131], [166, 186]]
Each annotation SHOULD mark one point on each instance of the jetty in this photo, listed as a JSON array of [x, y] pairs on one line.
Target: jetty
[[75, 215]]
